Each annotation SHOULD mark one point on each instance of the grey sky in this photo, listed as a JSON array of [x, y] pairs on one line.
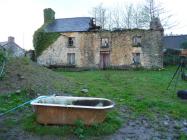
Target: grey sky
[[20, 18]]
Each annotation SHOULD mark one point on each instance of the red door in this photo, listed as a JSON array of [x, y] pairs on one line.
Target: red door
[[104, 60]]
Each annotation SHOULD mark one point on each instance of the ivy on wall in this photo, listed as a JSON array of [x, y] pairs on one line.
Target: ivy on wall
[[41, 39]]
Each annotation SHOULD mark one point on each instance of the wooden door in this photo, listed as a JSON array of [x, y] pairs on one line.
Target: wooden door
[[104, 60]]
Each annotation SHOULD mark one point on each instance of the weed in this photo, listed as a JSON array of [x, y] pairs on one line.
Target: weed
[[79, 129], [182, 136]]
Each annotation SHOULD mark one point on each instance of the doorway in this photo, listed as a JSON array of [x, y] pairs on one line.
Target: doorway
[[104, 60]]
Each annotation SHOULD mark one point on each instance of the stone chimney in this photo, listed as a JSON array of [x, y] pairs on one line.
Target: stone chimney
[[49, 15], [156, 25], [11, 39]]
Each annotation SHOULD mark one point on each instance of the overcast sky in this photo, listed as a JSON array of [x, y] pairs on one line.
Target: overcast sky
[[20, 18]]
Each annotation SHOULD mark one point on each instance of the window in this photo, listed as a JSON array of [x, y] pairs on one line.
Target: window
[[136, 41], [94, 21], [71, 58], [71, 41], [136, 58], [104, 42]]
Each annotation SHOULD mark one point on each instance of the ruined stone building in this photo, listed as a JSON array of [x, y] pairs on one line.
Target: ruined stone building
[[83, 44]]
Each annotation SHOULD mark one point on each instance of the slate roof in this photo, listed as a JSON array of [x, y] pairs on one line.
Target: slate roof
[[13, 47], [77, 24], [174, 42], [3, 44]]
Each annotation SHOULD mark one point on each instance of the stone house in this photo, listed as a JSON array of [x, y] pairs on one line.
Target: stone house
[[12, 48], [83, 44]]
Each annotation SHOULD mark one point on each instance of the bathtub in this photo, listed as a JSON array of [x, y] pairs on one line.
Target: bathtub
[[66, 110]]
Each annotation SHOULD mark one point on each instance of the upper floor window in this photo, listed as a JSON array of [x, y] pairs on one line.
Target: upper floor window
[[94, 21], [71, 41], [136, 41], [104, 42]]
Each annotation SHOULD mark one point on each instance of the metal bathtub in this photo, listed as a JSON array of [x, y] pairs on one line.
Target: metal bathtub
[[66, 110]]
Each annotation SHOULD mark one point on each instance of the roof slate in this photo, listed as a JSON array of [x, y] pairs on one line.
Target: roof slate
[[174, 42], [77, 24], [3, 44]]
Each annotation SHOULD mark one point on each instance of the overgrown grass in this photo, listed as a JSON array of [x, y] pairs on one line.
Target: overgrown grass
[[143, 91], [110, 125], [28, 121], [12, 100]]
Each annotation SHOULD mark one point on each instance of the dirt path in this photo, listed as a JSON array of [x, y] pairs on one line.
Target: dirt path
[[141, 128]]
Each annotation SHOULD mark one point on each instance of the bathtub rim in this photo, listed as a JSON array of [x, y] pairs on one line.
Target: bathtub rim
[[35, 102]]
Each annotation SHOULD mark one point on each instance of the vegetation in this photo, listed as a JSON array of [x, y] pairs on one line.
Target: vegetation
[[2, 62], [171, 57], [143, 92], [110, 125], [184, 45], [49, 15], [12, 100], [28, 122], [42, 39]]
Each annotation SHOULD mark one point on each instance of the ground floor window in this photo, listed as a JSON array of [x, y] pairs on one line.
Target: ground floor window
[[71, 58], [136, 58]]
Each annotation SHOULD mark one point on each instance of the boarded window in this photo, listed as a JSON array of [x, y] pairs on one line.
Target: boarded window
[[71, 41], [104, 42], [136, 41], [71, 58], [136, 58]]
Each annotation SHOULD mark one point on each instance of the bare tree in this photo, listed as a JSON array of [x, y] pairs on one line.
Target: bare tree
[[137, 17], [109, 20], [99, 13], [152, 9], [131, 16], [127, 16], [116, 18]]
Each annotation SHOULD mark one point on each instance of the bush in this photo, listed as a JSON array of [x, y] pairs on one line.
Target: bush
[[2, 62], [42, 40], [171, 57]]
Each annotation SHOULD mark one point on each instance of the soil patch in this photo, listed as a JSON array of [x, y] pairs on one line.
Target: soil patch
[[21, 73]]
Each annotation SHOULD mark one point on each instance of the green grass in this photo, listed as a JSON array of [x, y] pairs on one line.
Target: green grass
[[110, 125], [12, 100], [28, 121], [143, 92]]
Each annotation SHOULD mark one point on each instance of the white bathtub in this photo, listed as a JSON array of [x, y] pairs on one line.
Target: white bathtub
[[66, 110]]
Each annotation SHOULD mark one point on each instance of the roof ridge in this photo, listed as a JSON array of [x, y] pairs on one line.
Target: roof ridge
[[175, 35], [72, 18]]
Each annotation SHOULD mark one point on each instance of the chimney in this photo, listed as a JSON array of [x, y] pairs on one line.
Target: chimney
[[11, 39], [156, 25], [49, 15]]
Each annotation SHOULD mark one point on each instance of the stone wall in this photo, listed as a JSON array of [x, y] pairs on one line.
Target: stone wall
[[87, 48]]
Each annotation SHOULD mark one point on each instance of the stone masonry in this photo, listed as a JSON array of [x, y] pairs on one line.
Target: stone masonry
[[87, 49], [83, 44]]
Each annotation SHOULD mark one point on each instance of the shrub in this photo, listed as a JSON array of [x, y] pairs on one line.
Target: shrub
[[42, 40], [2, 62]]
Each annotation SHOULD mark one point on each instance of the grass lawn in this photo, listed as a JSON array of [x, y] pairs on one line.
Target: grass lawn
[[141, 91]]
